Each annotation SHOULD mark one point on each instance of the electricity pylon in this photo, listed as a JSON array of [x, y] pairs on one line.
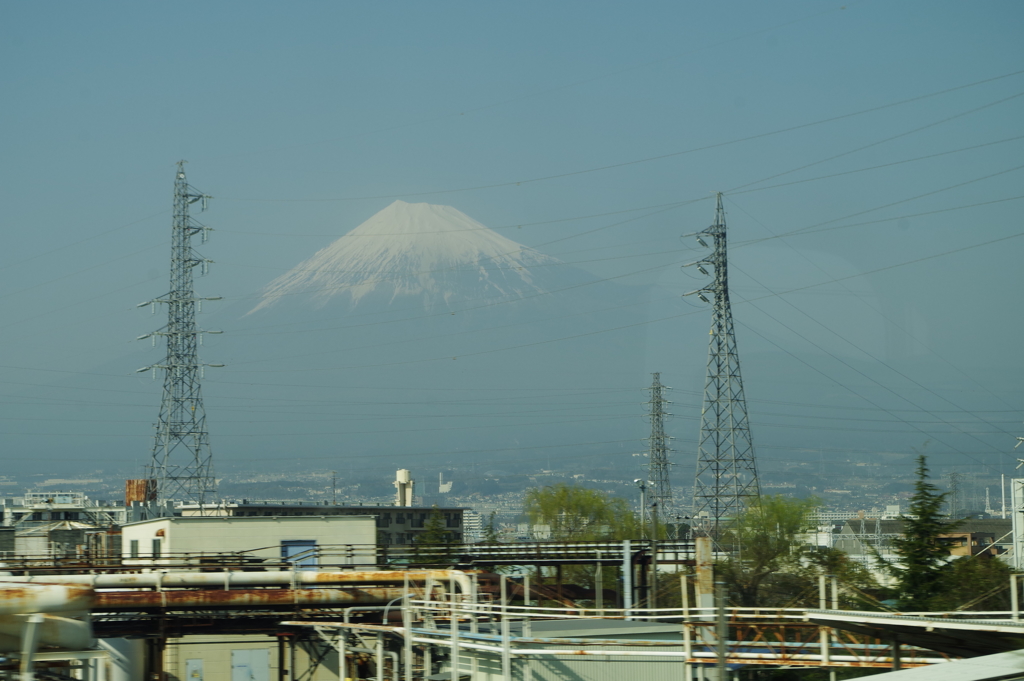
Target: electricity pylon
[[955, 499], [182, 463], [657, 462], [726, 478]]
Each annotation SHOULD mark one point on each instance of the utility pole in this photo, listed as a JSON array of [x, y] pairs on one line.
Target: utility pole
[[182, 463], [657, 461], [642, 486], [726, 478]]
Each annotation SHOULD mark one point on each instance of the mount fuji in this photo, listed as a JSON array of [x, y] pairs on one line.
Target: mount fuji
[[437, 334], [435, 253]]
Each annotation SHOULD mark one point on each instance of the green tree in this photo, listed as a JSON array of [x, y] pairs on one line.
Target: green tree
[[858, 589], [431, 543], [580, 513], [434, 531], [764, 537], [973, 583], [921, 553], [491, 529]]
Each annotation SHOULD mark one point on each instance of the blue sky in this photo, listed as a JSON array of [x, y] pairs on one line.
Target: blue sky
[[304, 119]]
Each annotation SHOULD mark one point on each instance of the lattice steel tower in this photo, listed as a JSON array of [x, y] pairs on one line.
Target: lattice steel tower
[[726, 469], [182, 463], [657, 461]]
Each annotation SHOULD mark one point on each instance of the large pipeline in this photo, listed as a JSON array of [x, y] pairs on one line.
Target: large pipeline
[[17, 599], [62, 632], [227, 580], [133, 601]]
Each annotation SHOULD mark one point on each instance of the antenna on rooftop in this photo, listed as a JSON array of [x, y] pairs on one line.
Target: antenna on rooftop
[[182, 463], [726, 476]]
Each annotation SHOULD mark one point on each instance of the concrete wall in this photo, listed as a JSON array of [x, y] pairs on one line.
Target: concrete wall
[[257, 537], [486, 666], [247, 658]]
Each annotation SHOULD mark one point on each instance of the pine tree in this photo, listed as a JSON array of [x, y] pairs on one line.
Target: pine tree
[[921, 553], [491, 529], [431, 544], [434, 531]]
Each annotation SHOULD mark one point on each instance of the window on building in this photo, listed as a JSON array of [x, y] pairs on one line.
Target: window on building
[[301, 553], [384, 520], [156, 547], [134, 548], [417, 519], [451, 519], [400, 518]]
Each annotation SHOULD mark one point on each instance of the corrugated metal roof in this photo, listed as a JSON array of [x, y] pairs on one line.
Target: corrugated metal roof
[[985, 668]]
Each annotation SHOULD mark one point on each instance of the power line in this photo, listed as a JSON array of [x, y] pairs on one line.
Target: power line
[[649, 159], [881, 314], [883, 141]]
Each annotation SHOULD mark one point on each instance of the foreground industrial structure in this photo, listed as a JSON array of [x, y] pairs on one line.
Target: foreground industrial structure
[[333, 614]]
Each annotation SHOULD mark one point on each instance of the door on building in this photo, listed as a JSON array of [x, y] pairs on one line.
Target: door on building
[[193, 670], [299, 552], [250, 665]]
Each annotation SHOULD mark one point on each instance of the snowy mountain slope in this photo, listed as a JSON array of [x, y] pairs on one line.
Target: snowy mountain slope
[[434, 252]]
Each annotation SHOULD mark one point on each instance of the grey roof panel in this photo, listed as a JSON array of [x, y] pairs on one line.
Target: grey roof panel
[[985, 668]]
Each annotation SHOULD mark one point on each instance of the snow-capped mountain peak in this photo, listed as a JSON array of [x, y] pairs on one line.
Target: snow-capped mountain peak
[[413, 249]]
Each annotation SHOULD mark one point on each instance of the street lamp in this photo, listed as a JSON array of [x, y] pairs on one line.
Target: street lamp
[[643, 505]]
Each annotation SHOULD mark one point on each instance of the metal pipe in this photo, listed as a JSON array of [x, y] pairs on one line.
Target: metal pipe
[[379, 652], [1014, 597], [627, 578], [801, 657], [50, 630], [29, 643], [652, 600], [253, 598], [687, 633], [720, 629], [454, 627], [823, 632], [168, 579], [291, 657], [17, 600], [506, 650], [407, 625]]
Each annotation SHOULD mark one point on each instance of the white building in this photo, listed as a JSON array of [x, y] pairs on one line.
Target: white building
[[307, 540]]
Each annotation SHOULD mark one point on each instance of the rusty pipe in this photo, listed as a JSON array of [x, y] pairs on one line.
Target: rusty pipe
[[129, 601], [20, 599]]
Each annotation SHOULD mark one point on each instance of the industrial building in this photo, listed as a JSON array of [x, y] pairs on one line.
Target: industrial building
[[396, 525], [302, 540], [40, 525]]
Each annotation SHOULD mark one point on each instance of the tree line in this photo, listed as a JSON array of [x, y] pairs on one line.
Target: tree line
[[770, 564]]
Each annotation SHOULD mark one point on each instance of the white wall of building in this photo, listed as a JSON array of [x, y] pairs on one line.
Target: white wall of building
[[175, 538]]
